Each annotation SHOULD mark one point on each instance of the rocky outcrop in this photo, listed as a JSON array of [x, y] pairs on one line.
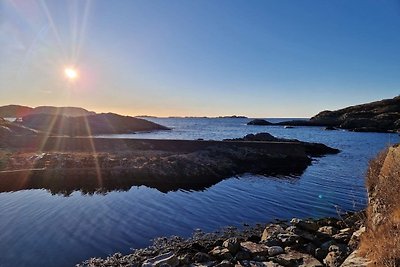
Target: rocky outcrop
[[105, 123], [379, 116], [76, 163], [323, 242], [10, 129], [259, 122], [382, 238], [313, 149]]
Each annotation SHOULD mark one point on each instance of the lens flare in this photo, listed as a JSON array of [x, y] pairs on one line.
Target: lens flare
[[71, 73]]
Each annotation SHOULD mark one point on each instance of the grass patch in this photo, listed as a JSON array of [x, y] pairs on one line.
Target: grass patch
[[381, 242]]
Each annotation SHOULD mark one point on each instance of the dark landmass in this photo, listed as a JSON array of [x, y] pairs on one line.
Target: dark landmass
[[105, 123], [296, 243], [259, 122], [17, 111], [63, 165], [232, 117], [14, 111], [312, 149], [378, 116]]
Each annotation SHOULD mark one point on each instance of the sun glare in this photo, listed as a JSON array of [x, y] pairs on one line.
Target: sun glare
[[71, 73]]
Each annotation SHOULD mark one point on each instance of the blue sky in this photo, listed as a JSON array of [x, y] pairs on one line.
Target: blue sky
[[200, 58]]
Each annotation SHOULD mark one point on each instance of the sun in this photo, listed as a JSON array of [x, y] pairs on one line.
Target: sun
[[71, 73]]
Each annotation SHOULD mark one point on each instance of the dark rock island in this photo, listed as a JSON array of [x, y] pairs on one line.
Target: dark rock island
[[378, 116], [66, 164]]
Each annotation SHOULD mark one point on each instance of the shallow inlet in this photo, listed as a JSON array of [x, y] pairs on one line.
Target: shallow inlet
[[41, 229]]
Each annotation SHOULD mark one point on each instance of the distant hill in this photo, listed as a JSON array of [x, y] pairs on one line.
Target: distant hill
[[17, 111], [378, 116], [14, 111], [97, 124]]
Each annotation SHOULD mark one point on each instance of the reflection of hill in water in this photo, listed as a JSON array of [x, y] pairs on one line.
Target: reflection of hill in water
[[88, 182]]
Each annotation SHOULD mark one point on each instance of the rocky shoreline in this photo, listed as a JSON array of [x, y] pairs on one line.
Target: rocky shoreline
[[63, 165], [299, 242], [379, 116]]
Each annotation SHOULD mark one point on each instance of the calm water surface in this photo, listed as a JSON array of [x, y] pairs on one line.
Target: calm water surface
[[40, 229]]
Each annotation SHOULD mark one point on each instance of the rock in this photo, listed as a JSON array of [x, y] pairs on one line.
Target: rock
[[296, 259], [307, 225], [224, 263], [232, 244], [355, 238], [288, 239], [257, 264], [220, 253], [254, 249], [343, 236], [242, 255], [301, 233], [162, 260], [330, 128], [184, 259], [272, 231], [275, 250], [336, 255], [328, 230], [259, 122], [201, 257], [354, 260]]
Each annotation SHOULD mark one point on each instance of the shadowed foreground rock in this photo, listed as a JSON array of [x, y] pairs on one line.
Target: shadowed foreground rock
[[63, 165], [307, 243]]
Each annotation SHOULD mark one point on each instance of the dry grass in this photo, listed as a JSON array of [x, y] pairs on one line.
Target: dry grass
[[381, 242]]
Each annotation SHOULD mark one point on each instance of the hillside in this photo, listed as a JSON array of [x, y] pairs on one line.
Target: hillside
[[378, 116], [105, 123], [14, 111], [17, 111]]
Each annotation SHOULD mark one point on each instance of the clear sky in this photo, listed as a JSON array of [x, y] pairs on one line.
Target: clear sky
[[269, 58]]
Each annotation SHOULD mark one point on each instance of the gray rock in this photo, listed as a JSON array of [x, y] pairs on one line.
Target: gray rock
[[336, 255], [355, 238], [301, 232], [328, 230], [288, 239], [220, 253], [295, 258], [232, 244], [201, 257], [224, 263], [272, 231], [254, 249], [307, 225], [169, 259], [243, 255], [275, 250], [354, 260]]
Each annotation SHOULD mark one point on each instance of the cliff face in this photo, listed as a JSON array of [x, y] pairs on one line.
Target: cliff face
[[382, 238]]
